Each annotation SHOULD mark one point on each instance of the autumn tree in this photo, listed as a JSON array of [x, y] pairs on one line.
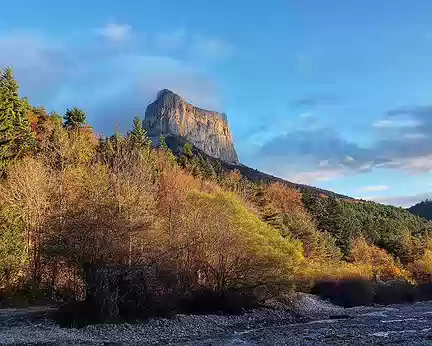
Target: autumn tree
[[26, 205], [383, 265]]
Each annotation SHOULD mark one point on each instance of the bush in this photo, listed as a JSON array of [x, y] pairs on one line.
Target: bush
[[349, 293], [425, 291], [395, 292], [346, 293]]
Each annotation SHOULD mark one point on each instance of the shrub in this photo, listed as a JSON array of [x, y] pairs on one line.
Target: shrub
[[346, 293], [425, 291], [353, 292], [395, 291]]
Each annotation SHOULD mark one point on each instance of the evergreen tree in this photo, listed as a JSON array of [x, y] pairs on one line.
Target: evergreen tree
[[7, 114], [187, 149], [15, 135], [138, 134], [162, 143], [164, 146], [74, 118]]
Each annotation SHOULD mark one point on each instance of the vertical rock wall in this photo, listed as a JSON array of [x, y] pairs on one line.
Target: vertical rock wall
[[207, 130]]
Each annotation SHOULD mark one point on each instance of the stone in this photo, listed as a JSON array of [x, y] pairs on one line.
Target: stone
[[209, 131]]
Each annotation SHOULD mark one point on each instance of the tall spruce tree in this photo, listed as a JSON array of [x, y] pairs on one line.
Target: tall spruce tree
[[74, 118], [138, 134], [15, 134]]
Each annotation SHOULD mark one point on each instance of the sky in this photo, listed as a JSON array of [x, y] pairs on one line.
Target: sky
[[335, 94]]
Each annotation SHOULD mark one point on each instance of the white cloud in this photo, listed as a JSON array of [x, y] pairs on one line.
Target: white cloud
[[414, 164], [414, 136], [116, 32], [400, 123], [400, 201], [324, 163], [194, 45], [311, 177], [373, 188]]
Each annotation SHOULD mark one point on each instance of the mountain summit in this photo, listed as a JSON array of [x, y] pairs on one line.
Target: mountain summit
[[171, 115]]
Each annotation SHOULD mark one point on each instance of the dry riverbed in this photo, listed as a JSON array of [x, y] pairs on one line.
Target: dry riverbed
[[309, 322]]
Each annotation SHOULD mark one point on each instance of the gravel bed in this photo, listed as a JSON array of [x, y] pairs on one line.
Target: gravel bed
[[309, 321], [157, 331]]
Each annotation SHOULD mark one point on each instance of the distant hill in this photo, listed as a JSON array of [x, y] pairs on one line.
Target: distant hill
[[422, 209]]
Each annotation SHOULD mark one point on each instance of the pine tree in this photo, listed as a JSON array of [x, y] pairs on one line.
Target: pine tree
[[138, 134], [74, 118], [164, 146], [162, 143], [187, 149], [7, 116], [15, 134]]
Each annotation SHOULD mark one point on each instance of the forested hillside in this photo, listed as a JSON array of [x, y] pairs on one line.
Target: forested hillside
[[132, 229]]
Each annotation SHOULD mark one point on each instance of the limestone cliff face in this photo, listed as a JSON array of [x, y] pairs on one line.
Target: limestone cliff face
[[207, 130]]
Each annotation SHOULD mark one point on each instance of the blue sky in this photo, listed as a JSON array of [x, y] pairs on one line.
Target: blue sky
[[336, 94]]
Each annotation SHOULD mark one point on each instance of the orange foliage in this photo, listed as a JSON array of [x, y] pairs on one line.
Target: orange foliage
[[284, 198], [382, 263]]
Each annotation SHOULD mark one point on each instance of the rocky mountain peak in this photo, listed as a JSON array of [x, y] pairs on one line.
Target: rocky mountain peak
[[209, 131]]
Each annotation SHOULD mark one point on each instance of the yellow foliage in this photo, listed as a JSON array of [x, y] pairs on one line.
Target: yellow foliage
[[421, 268], [26, 207], [232, 247], [382, 263], [336, 271]]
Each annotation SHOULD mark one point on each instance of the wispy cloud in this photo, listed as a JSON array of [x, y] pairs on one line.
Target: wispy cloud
[[312, 177], [404, 143], [373, 188], [194, 45], [402, 201], [413, 164], [393, 123], [414, 136], [115, 31]]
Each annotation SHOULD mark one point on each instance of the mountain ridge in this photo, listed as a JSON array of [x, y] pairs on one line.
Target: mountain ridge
[[176, 145]]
